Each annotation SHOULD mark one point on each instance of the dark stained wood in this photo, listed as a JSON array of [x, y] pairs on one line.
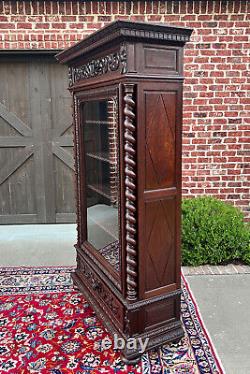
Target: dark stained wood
[[142, 63], [36, 175], [117, 31], [160, 139], [160, 246], [159, 60], [159, 194]]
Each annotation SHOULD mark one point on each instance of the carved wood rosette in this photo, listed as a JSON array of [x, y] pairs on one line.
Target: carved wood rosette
[[130, 191]]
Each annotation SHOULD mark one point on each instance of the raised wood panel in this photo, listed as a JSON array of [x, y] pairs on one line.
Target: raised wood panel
[[160, 139], [160, 244], [158, 313], [160, 187], [160, 58], [156, 60]]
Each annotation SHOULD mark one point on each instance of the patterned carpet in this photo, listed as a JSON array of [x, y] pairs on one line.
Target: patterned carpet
[[47, 327]]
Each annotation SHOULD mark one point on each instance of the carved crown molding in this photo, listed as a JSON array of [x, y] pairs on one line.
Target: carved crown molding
[[156, 35], [99, 66], [118, 30]]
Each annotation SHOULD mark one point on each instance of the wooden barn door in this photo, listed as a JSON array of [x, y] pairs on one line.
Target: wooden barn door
[[36, 163]]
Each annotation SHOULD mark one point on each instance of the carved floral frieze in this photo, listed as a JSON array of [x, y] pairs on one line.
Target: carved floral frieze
[[99, 66]]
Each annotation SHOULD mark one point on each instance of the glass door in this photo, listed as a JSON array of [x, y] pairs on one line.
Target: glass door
[[100, 135]]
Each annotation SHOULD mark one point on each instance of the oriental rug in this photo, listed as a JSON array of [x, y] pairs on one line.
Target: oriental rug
[[46, 326]]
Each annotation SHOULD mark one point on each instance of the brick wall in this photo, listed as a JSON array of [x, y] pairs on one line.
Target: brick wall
[[216, 157]]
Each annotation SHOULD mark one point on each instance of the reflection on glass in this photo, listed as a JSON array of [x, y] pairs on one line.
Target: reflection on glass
[[100, 144]]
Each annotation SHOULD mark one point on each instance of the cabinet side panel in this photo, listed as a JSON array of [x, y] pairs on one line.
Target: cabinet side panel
[[160, 259], [160, 139], [160, 243]]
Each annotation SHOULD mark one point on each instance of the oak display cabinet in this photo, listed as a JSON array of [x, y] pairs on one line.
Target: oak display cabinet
[[126, 82]]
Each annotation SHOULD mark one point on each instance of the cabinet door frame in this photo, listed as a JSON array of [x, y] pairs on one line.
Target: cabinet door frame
[[163, 193], [94, 94]]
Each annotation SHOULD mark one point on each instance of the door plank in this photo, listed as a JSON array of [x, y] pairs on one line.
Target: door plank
[[14, 121], [62, 136], [38, 121], [36, 184], [63, 155], [59, 132], [15, 163], [64, 141], [8, 219], [65, 217], [45, 112], [15, 141]]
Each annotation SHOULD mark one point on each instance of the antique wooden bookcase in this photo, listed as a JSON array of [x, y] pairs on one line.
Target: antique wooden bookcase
[[126, 81]]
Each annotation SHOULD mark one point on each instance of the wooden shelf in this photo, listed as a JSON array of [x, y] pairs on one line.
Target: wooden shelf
[[101, 157], [97, 122], [97, 189]]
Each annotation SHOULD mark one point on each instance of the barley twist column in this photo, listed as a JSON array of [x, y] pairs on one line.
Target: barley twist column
[[130, 191]]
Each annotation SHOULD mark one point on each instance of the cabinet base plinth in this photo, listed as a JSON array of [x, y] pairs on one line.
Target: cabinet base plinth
[[131, 357], [166, 333]]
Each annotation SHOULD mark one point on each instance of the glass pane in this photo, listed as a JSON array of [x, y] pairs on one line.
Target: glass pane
[[101, 162]]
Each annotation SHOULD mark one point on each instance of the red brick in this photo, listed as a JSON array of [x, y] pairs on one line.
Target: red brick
[[68, 7], [48, 8], [77, 8], [154, 18], [101, 7], [85, 18], [42, 25], [5, 25], [23, 25], [68, 18], [58, 25]]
